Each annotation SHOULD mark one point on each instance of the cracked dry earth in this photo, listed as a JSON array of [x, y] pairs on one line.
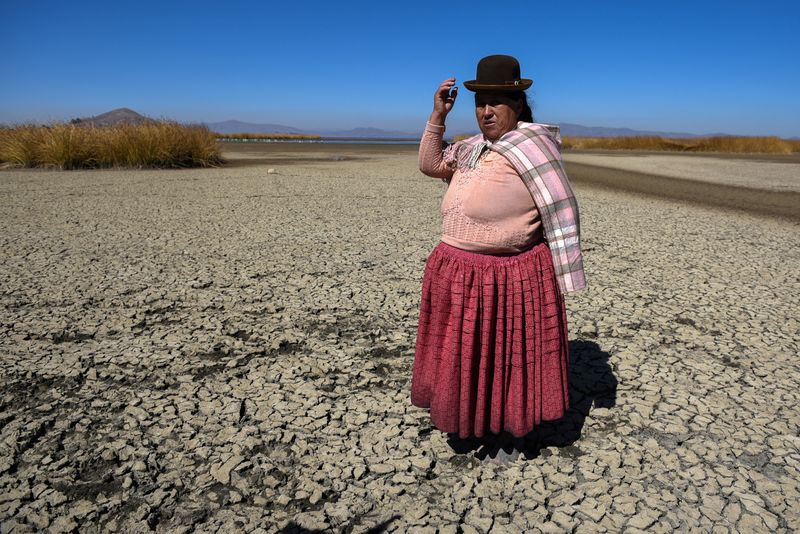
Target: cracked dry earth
[[230, 350]]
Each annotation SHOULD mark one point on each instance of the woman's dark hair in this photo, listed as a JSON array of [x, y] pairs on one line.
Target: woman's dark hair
[[526, 115]]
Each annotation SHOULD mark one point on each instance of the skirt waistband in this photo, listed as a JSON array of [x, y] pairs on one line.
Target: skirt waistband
[[477, 258]]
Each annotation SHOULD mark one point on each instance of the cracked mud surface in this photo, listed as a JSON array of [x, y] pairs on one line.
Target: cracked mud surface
[[190, 351]]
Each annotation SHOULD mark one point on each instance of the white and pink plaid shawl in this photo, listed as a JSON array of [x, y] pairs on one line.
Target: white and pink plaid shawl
[[533, 149]]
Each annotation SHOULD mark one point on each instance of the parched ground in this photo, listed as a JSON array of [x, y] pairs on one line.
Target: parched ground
[[230, 350]]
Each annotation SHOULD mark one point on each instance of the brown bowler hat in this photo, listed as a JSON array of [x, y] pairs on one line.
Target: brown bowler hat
[[498, 73]]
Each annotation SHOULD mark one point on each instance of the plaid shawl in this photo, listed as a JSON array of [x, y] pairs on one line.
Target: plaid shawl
[[534, 151]]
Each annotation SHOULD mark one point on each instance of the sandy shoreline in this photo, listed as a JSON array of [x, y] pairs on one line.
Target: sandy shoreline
[[763, 184], [230, 350], [783, 204], [781, 174], [758, 184]]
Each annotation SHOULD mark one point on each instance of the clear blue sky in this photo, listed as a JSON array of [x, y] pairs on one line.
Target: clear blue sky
[[693, 66]]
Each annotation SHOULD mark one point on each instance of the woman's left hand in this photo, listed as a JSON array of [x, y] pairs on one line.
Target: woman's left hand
[[443, 100]]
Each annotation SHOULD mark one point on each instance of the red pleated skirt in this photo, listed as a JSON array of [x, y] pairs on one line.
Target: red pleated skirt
[[492, 347]]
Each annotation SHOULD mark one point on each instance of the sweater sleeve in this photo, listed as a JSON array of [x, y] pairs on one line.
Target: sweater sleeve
[[431, 155]]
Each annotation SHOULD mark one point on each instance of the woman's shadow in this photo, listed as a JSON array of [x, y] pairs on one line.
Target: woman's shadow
[[591, 384]]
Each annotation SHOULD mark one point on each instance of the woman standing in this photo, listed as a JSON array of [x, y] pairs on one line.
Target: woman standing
[[492, 347]]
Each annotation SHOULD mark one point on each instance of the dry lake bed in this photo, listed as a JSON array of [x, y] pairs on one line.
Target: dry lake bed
[[229, 350]]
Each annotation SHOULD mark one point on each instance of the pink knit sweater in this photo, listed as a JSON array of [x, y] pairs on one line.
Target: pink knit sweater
[[487, 209]]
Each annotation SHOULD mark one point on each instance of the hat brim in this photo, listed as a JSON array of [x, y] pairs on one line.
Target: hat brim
[[523, 84]]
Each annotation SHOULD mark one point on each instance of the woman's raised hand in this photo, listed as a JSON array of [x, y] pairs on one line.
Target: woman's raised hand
[[443, 100]]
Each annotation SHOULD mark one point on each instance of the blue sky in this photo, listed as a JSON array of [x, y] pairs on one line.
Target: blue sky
[[690, 66]]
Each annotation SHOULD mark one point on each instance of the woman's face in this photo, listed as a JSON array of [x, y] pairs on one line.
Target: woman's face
[[497, 113]]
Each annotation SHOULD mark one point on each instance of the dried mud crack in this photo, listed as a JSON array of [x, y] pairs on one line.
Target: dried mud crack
[[231, 350]]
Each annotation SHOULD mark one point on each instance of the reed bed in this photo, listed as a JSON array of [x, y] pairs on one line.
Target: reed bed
[[65, 146], [725, 144], [264, 136]]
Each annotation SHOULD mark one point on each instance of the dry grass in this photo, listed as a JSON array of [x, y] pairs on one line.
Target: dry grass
[[726, 144], [70, 146], [264, 136]]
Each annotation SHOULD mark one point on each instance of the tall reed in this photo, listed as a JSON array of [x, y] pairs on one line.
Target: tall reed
[[725, 144], [19, 146], [75, 146]]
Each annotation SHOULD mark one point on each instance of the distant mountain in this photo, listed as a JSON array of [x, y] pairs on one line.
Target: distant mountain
[[232, 127], [372, 133], [578, 130], [113, 118], [378, 133], [128, 116]]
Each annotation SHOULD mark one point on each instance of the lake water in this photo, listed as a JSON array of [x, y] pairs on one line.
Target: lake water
[[328, 141]]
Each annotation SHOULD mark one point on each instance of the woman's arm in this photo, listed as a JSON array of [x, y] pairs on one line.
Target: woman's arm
[[431, 161]]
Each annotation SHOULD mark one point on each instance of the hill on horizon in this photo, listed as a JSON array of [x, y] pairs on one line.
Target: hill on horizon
[[234, 126], [578, 130], [567, 129], [114, 118]]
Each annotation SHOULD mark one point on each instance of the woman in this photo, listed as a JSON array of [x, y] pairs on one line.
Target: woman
[[492, 353]]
